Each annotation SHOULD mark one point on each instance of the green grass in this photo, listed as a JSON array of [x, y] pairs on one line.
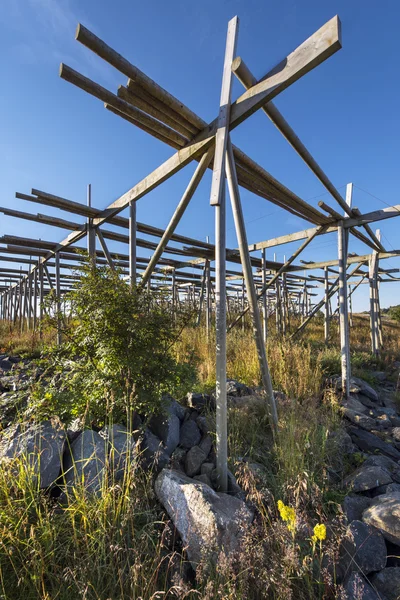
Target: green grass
[[116, 546]]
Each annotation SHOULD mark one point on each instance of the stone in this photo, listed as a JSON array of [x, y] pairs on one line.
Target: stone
[[380, 376], [396, 434], [387, 582], [194, 459], [363, 549], [393, 487], [199, 401], [178, 459], [41, 445], [384, 421], [235, 388], [354, 506], [203, 478], [369, 442], [378, 460], [358, 588], [174, 408], [189, 434], [207, 468], [202, 424], [354, 404], [384, 514], [85, 462], [75, 429], [359, 419], [6, 364], [395, 420], [365, 388], [208, 522], [153, 454], [121, 449], [386, 411], [367, 478], [233, 486], [366, 401], [206, 444], [341, 442], [166, 427]]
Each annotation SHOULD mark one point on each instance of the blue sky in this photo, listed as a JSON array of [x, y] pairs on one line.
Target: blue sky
[[56, 138]]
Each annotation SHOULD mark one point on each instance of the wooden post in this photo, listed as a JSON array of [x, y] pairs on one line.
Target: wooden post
[[132, 243], [35, 284], [377, 302], [327, 315], [202, 293], [41, 297], [91, 234], [376, 335], [250, 287], [264, 297], [350, 308], [343, 311], [217, 199], [173, 296], [58, 294], [208, 302]]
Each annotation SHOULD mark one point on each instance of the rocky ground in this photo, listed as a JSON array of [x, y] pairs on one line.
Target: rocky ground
[[178, 447]]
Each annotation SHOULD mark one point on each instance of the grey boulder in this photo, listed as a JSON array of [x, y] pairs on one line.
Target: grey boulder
[[387, 582], [190, 434], [208, 522], [166, 426], [194, 459], [365, 388], [358, 588], [354, 506], [384, 514], [85, 463], [367, 478], [152, 452], [41, 445], [363, 549], [360, 419], [369, 442], [121, 449], [199, 401]]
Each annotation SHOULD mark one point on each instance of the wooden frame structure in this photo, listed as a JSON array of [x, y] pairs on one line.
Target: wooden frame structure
[[261, 286]]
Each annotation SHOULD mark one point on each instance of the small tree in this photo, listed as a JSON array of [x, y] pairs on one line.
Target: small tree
[[117, 353], [394, 312]]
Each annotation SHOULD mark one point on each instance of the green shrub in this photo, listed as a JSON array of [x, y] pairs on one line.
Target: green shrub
[[117, 352]]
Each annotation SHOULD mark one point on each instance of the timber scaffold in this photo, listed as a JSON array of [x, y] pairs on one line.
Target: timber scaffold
[[195, 271]]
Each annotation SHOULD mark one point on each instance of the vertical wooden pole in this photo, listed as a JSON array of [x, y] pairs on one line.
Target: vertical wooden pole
[[91, 234], [41, 298], [35, 283], [375, 319], [132, 243], [208, 304], [377, 302], [350, 307], [327, 315], [264, 297], [217, 199], [250, 287], [58, 296], [343, 311]]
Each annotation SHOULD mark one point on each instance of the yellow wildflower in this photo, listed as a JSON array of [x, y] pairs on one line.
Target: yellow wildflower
[[288, 514], [319, 533]]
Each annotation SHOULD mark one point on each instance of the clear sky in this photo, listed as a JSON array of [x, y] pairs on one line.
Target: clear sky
[[56, 138]]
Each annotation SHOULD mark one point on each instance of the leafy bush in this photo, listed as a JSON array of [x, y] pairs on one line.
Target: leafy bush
[[394, 312], [117, 352]]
